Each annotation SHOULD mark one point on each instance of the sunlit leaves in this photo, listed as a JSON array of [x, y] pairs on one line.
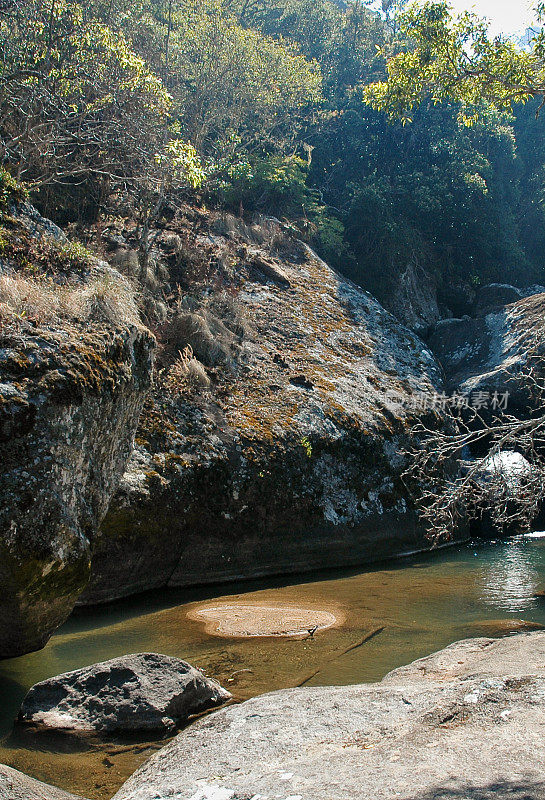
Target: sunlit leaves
[[182, 162], [443, 58], [87, 104], [230, 81]]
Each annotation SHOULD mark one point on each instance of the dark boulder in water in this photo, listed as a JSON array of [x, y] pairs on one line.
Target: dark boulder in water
[[133, 693]]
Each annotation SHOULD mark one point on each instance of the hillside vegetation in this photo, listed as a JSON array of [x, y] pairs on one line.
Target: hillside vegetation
[[116, 108]]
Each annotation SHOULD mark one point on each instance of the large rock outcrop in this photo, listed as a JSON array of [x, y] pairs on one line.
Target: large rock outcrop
[[495, 295], [413, 300], [289, 456], [133, 693], [71, 392], [465, 723], [492, 353]]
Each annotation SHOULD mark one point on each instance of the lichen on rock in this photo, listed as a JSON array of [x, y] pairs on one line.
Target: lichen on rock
[[292, 458]]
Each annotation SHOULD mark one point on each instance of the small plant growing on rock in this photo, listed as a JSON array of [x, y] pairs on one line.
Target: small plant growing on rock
[[10, 190], [75, 255], [185, 373]]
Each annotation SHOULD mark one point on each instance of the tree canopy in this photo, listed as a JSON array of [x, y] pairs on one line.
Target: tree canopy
[[294, 108], [441, 58]]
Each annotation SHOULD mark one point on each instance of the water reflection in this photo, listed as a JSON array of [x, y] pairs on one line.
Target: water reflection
[[535, 535], [511, 577]]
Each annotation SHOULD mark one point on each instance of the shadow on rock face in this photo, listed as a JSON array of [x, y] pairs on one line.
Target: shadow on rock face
[[501, 790]]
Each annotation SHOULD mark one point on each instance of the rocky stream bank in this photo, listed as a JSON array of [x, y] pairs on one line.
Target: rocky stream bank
[[466, 722], [274, 437]]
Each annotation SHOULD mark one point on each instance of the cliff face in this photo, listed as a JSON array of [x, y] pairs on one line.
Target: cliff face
[[498, 351], [286, 453], [272, 442], [71, 393]]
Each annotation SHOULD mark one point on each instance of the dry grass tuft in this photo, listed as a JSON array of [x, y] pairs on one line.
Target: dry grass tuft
[[189, 329], [185, 373], [106, 298], [227, 308]]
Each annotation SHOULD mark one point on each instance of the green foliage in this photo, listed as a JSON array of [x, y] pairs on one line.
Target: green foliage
[[447, 59], [74, 255], [182, 162], [307, 446], [342, 41], [234, 86], [276, 183], [10, 189], [443, 197], [80, 111], [285, 107], [77, 83], [330, 240]]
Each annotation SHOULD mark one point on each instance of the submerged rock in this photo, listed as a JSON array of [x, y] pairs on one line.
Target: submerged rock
[[465, 723], [15, 785], [292, 458], [141, 692], [502, 627], [239, 620]]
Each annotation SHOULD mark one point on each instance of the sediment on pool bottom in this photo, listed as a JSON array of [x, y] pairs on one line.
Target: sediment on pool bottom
[[252, 620]]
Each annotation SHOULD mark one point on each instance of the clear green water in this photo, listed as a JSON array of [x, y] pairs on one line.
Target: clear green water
[[421, 604]]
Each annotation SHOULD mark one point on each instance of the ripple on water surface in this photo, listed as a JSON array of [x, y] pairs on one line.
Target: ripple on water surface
[[514, 574], [385, 616]]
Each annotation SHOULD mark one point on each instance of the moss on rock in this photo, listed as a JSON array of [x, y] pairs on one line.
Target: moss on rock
[[70, 399]]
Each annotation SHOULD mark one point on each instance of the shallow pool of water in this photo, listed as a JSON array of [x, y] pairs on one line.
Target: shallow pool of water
[[390, 615]]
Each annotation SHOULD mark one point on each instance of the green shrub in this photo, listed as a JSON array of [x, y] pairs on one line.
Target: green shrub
[[276, 183], [10, 190]]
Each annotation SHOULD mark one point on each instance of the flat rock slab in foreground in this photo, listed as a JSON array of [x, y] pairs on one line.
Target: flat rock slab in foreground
[[16, 786], [474, 730], [142, 692], [512, 657]]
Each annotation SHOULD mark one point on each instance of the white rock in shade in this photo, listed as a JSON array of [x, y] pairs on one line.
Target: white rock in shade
[[508, 466], [508, 462]]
